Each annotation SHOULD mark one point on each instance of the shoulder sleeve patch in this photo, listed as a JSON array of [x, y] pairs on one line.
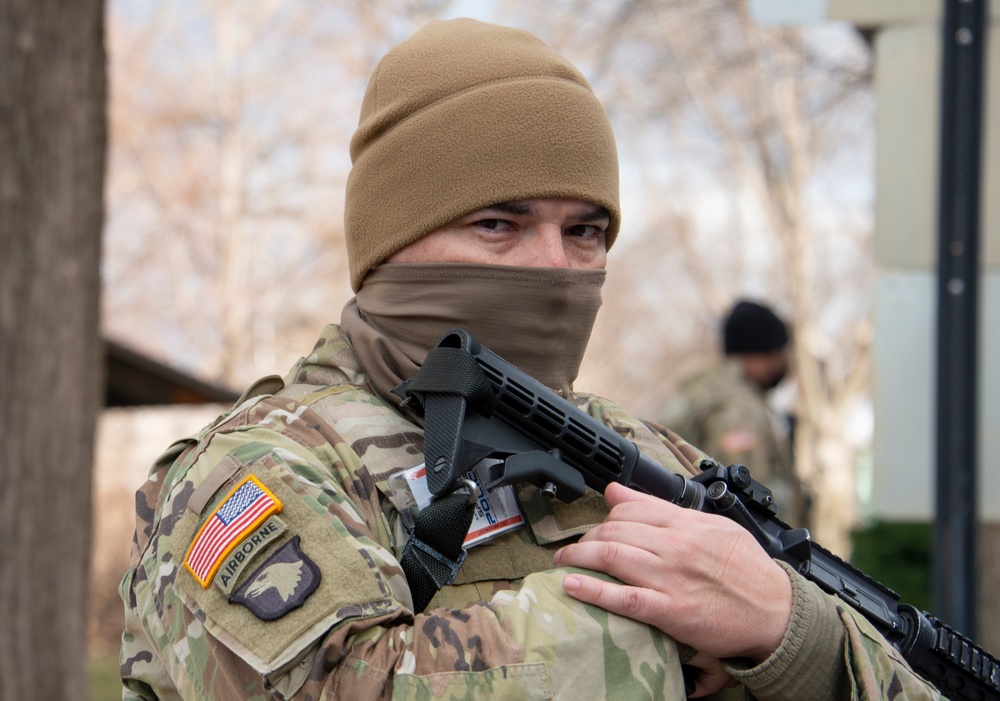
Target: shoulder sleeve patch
[[240, 560], [738, 440], [281, 584], [247, 506]]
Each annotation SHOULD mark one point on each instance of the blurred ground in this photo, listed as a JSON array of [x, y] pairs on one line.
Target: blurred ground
[[102, 672]]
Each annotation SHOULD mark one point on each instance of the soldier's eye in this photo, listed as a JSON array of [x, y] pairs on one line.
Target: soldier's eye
[[494, 224]]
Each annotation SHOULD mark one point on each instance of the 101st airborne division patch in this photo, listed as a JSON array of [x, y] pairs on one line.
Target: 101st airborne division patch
[[281, 584]]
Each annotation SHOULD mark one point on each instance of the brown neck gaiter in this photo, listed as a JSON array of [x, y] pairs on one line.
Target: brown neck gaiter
[[538, 319]]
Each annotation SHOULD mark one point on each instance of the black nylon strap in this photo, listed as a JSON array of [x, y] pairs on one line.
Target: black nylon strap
[[434, 553], [448, 381]]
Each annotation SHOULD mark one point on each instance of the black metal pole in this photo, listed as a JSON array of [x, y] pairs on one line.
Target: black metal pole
[[955, 538]]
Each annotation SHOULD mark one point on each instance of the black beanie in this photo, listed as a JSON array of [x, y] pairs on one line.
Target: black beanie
[[753, 328]]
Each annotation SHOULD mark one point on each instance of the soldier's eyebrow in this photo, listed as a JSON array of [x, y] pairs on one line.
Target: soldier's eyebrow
[[512, 208], [596, 213]]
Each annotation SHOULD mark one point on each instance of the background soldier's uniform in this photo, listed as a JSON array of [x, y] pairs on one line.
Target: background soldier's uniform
[[728, 417], [324, 447]]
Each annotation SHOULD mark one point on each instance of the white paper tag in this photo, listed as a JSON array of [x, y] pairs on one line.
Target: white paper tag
[[497, 511]]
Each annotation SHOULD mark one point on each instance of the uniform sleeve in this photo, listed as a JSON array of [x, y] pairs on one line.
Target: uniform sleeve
[[831, 652], [736, 434], [143, 673], [312, 603], [743, 433], [141, 669]]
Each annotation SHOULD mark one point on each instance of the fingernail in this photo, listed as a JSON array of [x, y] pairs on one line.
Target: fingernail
[[557, 555], [571, 584]]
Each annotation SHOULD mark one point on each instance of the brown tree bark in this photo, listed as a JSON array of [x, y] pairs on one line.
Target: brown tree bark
[[52, 151]]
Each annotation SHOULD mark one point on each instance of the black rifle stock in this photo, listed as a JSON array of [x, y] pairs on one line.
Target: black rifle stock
[[478, 405]]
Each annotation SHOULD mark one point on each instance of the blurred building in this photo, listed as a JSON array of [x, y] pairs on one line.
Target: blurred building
[[148, 405], [134, 379], [907, 38]]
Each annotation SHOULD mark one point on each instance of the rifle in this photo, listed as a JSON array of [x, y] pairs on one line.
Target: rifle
[[477, 405]]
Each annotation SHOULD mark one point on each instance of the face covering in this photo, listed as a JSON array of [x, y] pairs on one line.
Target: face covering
[[537, 319]]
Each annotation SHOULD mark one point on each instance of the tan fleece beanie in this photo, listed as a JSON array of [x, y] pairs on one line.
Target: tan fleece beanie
[[464, 115]]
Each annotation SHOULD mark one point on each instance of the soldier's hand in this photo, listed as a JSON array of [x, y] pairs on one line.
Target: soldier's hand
[[712, 676], [700, 578]]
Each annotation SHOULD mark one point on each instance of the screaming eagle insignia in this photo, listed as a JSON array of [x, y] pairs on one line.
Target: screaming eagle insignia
[[281, 584]]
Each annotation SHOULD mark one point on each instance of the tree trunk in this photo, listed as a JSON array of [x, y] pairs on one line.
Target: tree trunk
[[52, 150]]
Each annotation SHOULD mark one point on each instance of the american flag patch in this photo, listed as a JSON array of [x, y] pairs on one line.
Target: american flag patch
[[243, 509]]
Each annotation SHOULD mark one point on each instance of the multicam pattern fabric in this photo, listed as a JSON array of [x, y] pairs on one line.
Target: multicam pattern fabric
[[728, 417], [879, 671], [325, 447]]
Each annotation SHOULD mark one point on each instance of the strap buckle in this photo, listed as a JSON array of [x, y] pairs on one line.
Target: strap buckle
[[434, 554]]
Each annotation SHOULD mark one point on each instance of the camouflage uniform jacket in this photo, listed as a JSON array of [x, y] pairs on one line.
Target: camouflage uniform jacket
[[728, 417], [308, 600]]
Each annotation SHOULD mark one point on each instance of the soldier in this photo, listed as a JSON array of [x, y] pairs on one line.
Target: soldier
[[724, 410], [266, 563]]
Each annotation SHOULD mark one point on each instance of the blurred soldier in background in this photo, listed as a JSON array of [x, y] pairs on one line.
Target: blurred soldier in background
[[724, 410]]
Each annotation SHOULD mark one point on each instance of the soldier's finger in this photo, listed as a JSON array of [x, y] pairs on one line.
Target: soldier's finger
[[709, 683], [663, 516], [637, 603], [712, 676], [616, 494], [629, 563], [628, 532], [629, 505]]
